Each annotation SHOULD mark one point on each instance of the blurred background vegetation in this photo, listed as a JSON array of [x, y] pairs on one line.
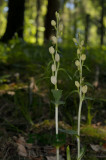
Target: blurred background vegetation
[[30, 19]]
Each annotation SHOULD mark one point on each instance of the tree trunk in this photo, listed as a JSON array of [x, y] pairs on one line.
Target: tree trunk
[[75, 19], [102, 25], [15, 20], [38, 4], [87, 27], [53, 6]]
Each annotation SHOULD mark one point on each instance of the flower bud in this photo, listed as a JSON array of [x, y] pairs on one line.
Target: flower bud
[[60, 26], [77, 63], [82, 42], [53, 67], [54, 39], [53, 23], [51, 50], [74, 40], [53, 80], [57, 14], [84, 89], [57, 57], [83, 57], [77, 84], [78, 51]]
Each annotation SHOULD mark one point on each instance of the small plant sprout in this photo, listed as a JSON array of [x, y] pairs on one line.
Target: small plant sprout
[[55, 67], [82, 89]]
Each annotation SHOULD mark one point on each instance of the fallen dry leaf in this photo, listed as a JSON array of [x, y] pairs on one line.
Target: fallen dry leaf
[[96, 148], [21, 140], [21, 150]]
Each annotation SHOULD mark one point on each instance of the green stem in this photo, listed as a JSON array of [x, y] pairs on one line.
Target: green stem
[[56, 118], [79, 111], [79, 121]]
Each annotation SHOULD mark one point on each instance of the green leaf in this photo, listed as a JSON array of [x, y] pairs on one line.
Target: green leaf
[[87, 68], [68, 153], [89, 84], [57, 94], [74, 91], [62, 69], [72, 132], [89, 98], [75, 73], [82, 153], [58, 102]]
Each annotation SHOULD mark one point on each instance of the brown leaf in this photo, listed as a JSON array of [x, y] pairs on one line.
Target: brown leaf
[[21, 150], [21, 140]]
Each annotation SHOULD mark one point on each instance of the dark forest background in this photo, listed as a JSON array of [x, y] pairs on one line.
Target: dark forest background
[[30, 19]]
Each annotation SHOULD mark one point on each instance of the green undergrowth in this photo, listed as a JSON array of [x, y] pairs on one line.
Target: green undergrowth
[[95, 132]]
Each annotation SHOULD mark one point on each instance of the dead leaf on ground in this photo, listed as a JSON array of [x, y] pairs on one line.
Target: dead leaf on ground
[[21, 150], [98, 148]]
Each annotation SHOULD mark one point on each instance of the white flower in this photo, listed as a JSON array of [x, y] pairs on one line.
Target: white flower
[[57, 57], [82, 42], [53, 23], [53, 67], [77, 63], [78, 51], [51, 50], [83, 57], [54, 39], [57, 14], [84, 89], [77, 84], [74, 39], [53, 80], [60, 26]]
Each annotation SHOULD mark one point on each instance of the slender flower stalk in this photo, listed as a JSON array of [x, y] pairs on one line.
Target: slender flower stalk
[[82, 89], [55, 67]]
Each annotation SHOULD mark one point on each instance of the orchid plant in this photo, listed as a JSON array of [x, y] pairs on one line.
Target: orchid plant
[[81, 88], [55, 68]]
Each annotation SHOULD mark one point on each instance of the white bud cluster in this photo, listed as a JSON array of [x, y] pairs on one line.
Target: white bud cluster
[[77, 84], [60, 26], [54, 39], [77, 63], [57, 14], [53, 67], [84, 89], [51, 50], [74, 40], [57, 57], [53, 23], [53, 80], [78, 51], [83, 57]]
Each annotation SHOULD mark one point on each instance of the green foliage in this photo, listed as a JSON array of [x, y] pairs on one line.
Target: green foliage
[[57, 96], [68, 153]]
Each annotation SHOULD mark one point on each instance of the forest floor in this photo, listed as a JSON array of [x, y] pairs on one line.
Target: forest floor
[[27, 127], [21, 140]]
